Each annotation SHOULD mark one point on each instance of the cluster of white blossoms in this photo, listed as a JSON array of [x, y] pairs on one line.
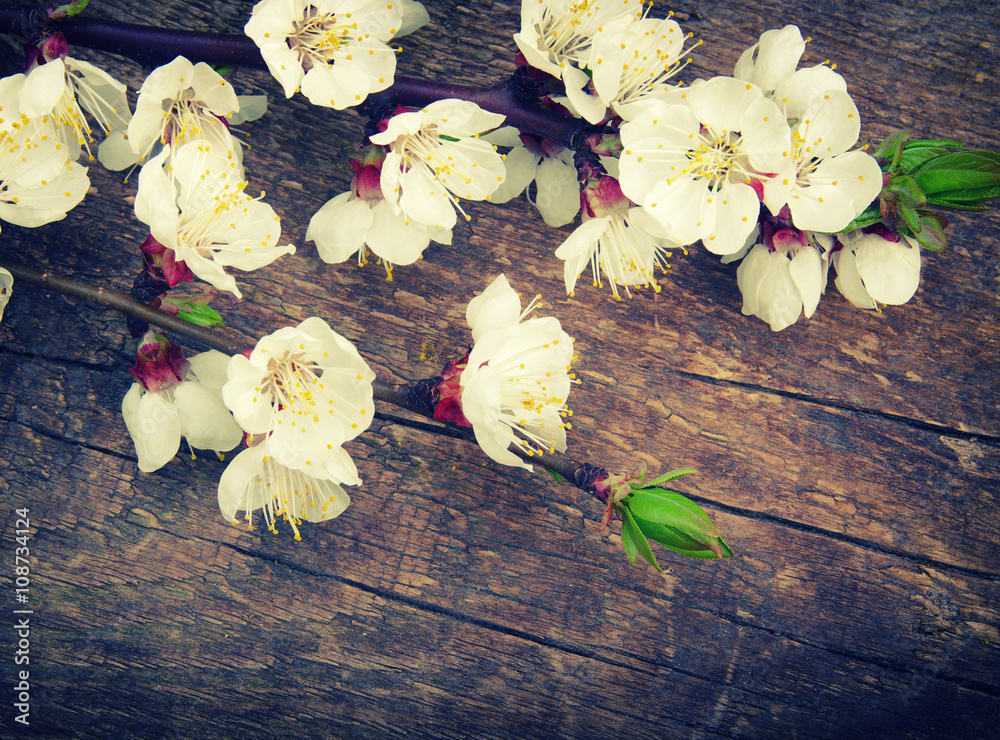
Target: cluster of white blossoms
[[758, 165], [408, 190], [300, 395], [335, 51], [39, 179], [191, 191], [294, 400], [607, 54], [517, 377]]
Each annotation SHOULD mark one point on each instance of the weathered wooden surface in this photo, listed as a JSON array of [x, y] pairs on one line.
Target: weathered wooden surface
[[853, 462]]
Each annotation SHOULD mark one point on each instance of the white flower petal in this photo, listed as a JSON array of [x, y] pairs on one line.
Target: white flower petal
[[44, 86], [497, 306], [769, 292], [205, 421], [414, 16], [797, 93], [210, 368], [890, 270], [773, 59], [807, 270], [395, 238], [154, 426], [6, 288], [848, 280], [721, 101], [558, 191], [520, 166], [832, 124], [736, 212], [683, 208], [340, 228]]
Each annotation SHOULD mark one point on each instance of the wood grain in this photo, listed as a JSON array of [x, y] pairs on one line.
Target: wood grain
[[852, 461]]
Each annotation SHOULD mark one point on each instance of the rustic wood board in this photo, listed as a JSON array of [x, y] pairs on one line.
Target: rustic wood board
[[853, 462]]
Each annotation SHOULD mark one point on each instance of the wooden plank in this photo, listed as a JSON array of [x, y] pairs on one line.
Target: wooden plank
[[150, 553], [852, 461]]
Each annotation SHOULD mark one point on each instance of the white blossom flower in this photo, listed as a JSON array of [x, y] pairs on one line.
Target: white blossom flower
[[255, 479], [64, 88], [361, 219], [633, 64], [557, 192], [178, 102], [6, 287], [336, 51], [198, 208], [873, 270], [38, 182], [192, 409], [556, 37], [308, 389], [517, 378], [779, 285], [826, 186], [625, 246], [693, 165], [435, 157]]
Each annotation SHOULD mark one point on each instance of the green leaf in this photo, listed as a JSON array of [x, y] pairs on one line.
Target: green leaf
[[555, 476], [907, 191], [661, 505], [629, 533], [726, 550], [672, 475], [958, 171], [914, 158], [925, 143], [941, 203], [910, 217], [68, 10], [931, 234], [892, 148], [637, 540], [871, 215], [974, 196]]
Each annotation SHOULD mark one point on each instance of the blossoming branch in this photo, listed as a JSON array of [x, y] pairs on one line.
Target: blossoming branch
[[761, 166]]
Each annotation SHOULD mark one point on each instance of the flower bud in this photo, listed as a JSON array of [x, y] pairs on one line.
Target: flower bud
[[676, 522], [448, 394], [368, 175], [159, 364], [162, 263], [602, 196]]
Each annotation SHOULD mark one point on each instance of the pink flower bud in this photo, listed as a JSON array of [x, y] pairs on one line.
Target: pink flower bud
[[603, 197], [448, 394], [159, 364]]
